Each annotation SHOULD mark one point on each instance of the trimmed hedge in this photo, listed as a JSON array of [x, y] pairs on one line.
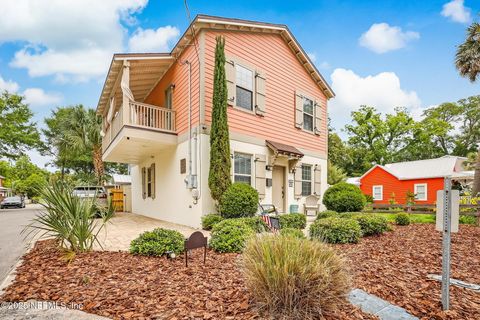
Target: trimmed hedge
[[158, 242], [292, 232], [344, 197], [402, 219], [256, 223], [230, 235], [327, 214], [293, 220], [336, 230], [239, 200], [372, 224], [210, 220]]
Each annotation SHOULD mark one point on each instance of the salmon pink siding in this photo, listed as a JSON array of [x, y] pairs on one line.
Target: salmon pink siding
[[284, 76], [380, 177], [178, 76]]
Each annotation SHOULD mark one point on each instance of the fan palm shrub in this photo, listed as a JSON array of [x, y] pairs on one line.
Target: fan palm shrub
[[74, 222]]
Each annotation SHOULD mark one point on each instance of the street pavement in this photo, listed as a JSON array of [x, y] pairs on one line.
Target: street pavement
[[12, 244]]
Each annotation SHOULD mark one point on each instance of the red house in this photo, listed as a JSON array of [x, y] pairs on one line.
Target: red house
[[392, 182]]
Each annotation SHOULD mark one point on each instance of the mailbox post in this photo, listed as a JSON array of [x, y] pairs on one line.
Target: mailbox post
[[448, 207]]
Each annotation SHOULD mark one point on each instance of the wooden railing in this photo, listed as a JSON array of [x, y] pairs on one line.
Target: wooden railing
[[471, 209], [145, 115], [140, 115]]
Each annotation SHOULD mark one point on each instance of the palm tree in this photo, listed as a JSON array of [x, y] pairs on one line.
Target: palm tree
[[467, 61], [82, 134]]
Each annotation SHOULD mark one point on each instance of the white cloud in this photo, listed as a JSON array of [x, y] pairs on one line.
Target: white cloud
[[381, 38], [312, 56], [324, 65], [38, 97], [382, 91], [8, 85], [456, 11], [149, 40], [67, 38], [33, 96]]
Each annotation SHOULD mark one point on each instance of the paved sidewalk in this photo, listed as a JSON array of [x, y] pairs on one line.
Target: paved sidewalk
[[124, 227]]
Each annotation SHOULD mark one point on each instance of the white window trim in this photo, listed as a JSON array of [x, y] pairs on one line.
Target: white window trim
[[381, 192], [252, 70], [415, 186], [251, 167], [304, 96], [311, 178]]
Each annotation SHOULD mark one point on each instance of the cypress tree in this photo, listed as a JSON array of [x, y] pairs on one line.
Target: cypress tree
[[220, 163]]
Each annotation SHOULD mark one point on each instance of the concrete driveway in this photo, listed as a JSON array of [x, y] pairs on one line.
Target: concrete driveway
[[12, 245]]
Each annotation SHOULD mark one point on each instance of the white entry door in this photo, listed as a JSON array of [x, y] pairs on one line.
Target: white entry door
[[278, 188]]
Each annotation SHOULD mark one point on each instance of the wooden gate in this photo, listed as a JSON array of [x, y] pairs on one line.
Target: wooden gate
[[117, 199]]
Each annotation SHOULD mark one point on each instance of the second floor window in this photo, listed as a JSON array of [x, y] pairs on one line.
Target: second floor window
[[168, 97], [306, 180], [242, 168], [307, 114], [244, 87]]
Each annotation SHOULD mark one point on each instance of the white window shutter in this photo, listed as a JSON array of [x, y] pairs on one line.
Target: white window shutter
[[317, 176], [230, 76], [298, 181], [318, 117], [152, 170], [144, 181], [260, 182], [259, 93], [298, 110]]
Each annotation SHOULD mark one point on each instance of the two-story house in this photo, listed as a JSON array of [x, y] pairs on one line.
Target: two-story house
[[157, 114]]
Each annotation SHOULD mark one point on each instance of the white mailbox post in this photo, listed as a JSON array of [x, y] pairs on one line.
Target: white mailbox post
[[448, 210]]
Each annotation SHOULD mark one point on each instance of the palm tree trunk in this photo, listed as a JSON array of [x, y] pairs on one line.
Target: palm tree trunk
[[476, 176], [98, 164]]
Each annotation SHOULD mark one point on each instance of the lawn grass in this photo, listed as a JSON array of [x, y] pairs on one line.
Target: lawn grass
[[414, 217]]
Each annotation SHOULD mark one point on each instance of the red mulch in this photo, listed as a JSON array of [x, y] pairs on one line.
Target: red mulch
[[122, 286], [395, 266]]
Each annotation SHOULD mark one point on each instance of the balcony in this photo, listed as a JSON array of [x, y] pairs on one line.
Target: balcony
[[138, 130]]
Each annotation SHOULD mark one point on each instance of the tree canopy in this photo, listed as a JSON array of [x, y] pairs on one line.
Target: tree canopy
[[17, 131]]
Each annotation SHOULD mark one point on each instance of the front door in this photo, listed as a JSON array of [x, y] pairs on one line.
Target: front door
[[278, 188]]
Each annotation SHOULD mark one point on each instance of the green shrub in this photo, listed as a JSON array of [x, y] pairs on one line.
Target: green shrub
[[292, 232], [256, 223], [402, 219], [344, 197], [327, 214], [240, 200], [336, 230], [230, 235], [348, 215], [291, 278], [465, 219], [293, 220], [368, 198], [158, 242], [371, 224], [210, 220]]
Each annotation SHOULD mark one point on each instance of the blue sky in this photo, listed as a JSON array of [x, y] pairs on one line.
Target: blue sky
[[381, 53]]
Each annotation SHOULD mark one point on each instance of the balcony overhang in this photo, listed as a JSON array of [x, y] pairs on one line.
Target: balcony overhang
[[133, 144], [145, 72]]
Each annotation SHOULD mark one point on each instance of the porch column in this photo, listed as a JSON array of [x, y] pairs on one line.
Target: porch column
[[127, 95]]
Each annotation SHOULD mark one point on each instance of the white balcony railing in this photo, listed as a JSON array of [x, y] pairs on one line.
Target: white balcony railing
[[140, 115]]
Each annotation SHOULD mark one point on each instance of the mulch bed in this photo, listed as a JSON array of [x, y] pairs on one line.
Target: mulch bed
[[395, 266], [122, 286]]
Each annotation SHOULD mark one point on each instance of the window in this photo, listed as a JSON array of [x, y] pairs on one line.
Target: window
[[377, 192], [168, 97], [306, 180], [149, 182], [420, 191], [244, 87], [242, 165], [307, 114]]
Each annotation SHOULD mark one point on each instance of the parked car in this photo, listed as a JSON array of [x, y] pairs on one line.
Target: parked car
[[92, 192], [12, 202]]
